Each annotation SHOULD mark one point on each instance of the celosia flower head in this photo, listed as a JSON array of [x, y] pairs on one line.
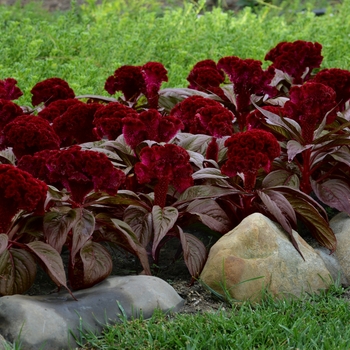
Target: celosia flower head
[[57, 108], [169, 164], [9, 90], [108, 119], [76, 124], [338, 80], [133, 81], [50, 90], [19, 191], [309, 104], [80, 172], [297, 59], [8, 112], [205, 76], [187, 110], [28, 134], [249, 151], [150, 125]]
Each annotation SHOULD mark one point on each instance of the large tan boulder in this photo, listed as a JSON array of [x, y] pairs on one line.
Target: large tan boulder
[[258, 247]]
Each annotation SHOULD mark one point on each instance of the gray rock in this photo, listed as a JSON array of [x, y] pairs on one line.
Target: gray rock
[[48, 321]]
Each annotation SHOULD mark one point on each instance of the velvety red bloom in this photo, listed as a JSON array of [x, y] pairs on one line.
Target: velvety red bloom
[[57, 108], [187, 110], [36, 164], [133, 81], [28, 134], [108, 119], [248, 78], [154, 73], [9, 90], [297, 59], [76, 124], [248, 152], [205, 76], [309, 104], [150, 125], [81, 172], [19, 191], [8, 112], [338, 80], [169, 164], [50, 90]]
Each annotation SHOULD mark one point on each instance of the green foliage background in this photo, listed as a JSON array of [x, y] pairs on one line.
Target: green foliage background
[[86, 44]]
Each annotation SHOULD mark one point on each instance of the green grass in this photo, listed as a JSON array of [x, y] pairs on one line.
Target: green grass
[[312, 322], [85, 45]]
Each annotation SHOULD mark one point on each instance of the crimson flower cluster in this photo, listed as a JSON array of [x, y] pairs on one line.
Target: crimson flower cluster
[[9, 90], [50, 90], [57, 108], [297, 59], [188, 112], [76, 124], [248, 78], [28, 134], [150, 125], [19, 191], [338, 80], [81, 171], [8, 112], [249, 151], [108, 119], [169, 164], [133, 81], [309, 104]]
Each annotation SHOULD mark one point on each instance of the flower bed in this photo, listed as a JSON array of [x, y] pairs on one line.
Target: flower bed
[[140, 168]]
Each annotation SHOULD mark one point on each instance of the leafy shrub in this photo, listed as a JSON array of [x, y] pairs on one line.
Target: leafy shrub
[[139, 169]]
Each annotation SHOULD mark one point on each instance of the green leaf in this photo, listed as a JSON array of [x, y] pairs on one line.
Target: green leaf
[[163, 221], [52, 261], [195, 143], [3, 242], [132, 240], [281, 177], [57, 225], [93, 265], [294, 148], [210, 214], [194, 251], [202, 191], [209, 173], [140, 220], [333, 192], [82, 229], [17, 271], [127, 198]]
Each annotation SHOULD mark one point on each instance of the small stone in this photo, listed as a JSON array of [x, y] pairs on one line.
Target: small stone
[[258, 255], [47, 321]]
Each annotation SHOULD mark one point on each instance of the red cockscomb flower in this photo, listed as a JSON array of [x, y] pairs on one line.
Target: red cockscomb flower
[[76, 124], [338, 80], [19, 191], [187, 110], [108, 119], [169, 164], [248, 78], [133, 81], [9, 90], [81, 172], [36, 164], [309, 104], [297, 59], [57, 108], [8, 112], [248, 152], [28, 134], [150, 125], [50, 90]]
